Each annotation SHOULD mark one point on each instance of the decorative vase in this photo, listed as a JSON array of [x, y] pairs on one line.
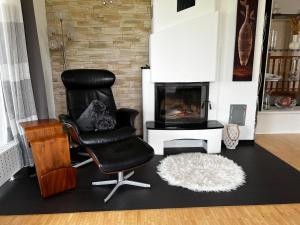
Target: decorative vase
[[231, 136], [273, 41], [294, 45], [245, 40]]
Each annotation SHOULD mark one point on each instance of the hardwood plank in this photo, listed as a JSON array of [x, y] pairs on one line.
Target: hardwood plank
[[284, 146]]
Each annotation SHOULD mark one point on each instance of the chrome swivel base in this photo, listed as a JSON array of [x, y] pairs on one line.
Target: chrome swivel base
[[122, 180], [83, 163]]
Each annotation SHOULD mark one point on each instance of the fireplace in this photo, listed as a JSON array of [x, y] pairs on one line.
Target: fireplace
[[181, 103]]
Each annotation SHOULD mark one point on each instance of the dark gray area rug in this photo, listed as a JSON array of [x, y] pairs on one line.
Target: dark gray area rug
[[269, 181]]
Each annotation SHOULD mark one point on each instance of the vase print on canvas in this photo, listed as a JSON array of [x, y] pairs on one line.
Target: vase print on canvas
[[245, 40]]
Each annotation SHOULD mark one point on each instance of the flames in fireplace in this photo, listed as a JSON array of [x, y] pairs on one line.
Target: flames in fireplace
[[181, 102], [180, 108]]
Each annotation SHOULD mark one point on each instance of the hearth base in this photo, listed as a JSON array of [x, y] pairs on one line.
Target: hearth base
[[158, 135]]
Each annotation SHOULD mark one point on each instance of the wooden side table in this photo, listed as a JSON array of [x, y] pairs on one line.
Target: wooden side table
[[51, 155]]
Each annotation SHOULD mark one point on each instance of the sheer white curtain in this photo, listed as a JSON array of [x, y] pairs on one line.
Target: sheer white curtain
[[16, 96], [3, 125]]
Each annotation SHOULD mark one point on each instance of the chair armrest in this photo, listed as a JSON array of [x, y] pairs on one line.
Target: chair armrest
[[71, 126], [126, 117]]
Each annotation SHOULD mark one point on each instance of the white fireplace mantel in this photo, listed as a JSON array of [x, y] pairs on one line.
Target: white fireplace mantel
[[186, 51]]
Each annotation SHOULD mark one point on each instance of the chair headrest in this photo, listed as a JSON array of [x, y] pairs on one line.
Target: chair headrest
[[87, 79]]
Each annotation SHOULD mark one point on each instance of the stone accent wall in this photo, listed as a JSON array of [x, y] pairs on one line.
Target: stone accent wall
[[113, 36]]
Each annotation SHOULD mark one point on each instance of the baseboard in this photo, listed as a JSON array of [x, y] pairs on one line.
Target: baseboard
[[246, 142], [243, 143]]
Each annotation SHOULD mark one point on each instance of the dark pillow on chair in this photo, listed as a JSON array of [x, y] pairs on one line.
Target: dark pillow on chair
[[96, 117]]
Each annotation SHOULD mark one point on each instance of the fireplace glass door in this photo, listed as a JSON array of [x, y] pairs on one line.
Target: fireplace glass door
[[181, 103]]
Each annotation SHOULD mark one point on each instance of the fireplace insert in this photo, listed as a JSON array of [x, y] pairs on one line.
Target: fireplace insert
[[181, 103]]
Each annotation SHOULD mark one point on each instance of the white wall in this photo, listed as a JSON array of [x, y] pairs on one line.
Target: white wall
[[41, 22], [165, 12], [288, 6], [280, 122], [223, 92], [237, 92]]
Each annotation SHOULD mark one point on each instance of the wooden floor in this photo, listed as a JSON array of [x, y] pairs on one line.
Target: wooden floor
[[287, 147]]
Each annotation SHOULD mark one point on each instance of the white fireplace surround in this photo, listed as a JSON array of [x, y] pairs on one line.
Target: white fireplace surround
[[209, 139], [183, 50], [209, 15]]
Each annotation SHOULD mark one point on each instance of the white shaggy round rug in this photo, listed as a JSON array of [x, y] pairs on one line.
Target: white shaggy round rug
[[201, 172]]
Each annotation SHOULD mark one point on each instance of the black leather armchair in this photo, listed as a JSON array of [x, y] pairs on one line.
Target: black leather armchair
[[114, 151], [82, 87]]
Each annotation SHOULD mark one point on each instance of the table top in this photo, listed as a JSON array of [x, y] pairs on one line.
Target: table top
[[210, 124], [42, 129], [40, 123]]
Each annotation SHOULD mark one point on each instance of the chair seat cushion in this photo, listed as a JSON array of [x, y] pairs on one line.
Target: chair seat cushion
[[105, 137], [123, 155]]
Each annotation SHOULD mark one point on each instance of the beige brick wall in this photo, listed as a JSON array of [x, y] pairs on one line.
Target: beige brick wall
[[113, 37]]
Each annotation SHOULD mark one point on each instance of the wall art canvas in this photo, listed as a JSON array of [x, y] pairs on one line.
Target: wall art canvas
[[245, 40]]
